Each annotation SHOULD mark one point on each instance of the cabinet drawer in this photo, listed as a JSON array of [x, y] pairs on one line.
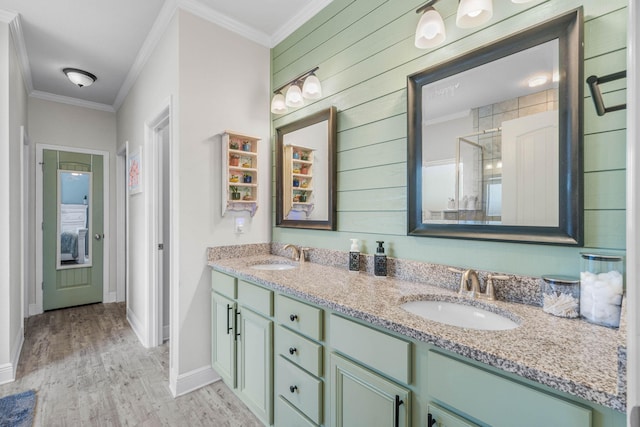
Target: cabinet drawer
[[302, 390], [223, 284], [301, 351], [385, 353], [255, 297], [479, 393], [299, 317], [288, 416]]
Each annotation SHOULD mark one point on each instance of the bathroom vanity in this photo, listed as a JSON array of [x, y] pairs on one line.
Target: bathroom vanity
[[315, 345]]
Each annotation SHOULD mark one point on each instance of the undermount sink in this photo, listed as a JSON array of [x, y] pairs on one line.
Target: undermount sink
[[273, 267], [464, 316]]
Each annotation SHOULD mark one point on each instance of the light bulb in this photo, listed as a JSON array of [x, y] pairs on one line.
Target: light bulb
[[472, 13]]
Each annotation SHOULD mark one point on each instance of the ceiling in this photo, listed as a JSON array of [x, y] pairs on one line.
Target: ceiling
[[112, 38]]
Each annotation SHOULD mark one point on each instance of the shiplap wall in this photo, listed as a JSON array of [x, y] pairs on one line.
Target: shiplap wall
[[365, 51]]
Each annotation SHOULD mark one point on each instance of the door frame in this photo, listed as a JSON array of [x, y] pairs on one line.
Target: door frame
[[154, 322], [106, 297]]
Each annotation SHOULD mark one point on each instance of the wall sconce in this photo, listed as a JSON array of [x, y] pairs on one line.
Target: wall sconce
[[79, 78], [430, 31], [311, 89]]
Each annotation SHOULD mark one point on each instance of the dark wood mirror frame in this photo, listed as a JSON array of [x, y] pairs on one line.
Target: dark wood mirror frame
[[329, 115], [568, 29]]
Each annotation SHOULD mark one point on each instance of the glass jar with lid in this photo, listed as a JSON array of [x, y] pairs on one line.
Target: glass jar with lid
[[561, 296], [601, 288]]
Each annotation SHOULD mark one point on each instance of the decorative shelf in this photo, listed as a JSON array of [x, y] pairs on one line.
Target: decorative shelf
[[239, 172], [298, 171]]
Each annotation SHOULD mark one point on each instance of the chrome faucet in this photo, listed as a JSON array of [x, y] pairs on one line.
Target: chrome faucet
[[295, 253], [470, 284]]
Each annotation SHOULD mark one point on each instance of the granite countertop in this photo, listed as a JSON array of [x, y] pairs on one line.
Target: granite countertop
[[569, 355]]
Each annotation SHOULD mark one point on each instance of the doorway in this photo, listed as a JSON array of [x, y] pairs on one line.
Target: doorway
[[71, 244]]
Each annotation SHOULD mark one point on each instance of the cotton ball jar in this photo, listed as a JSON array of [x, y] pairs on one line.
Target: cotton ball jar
[[601, 289]]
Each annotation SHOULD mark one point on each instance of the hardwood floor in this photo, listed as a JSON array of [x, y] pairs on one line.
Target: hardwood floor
[[89, 369]]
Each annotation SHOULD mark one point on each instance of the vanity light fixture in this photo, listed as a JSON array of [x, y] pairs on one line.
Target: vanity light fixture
[[79, 78], [430, 31], [311, 89], [472, 13]]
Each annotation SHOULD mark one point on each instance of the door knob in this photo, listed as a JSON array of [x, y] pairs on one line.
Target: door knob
[[98, 236]]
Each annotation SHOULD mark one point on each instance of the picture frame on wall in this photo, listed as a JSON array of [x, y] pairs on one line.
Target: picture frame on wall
[[134, 172]]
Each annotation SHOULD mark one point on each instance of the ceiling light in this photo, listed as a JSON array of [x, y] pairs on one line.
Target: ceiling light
[[278, 105], [311, 89], [472, 13], [537, 81], [79, 78], [430, 31]]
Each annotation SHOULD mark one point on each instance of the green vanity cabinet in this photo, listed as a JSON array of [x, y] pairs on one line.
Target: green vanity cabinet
[[242, 342]]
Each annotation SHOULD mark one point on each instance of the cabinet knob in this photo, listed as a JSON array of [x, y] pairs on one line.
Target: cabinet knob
[[293, 317], [293, 388], [292, 350]]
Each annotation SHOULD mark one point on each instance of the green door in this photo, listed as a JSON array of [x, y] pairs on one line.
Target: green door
[[72, 252]]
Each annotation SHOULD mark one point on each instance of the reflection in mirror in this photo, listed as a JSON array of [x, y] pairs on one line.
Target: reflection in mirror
[[74, 225], [305, 181], [495, 140]]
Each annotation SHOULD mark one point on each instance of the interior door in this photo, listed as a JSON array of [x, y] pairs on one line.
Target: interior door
[[75, 280]]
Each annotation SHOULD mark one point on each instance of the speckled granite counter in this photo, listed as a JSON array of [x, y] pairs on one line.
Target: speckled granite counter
[[569, 355]]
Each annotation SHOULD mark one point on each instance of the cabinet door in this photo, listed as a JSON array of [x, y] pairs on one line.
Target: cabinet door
[[223, 346], [255, 363], [361, 398]]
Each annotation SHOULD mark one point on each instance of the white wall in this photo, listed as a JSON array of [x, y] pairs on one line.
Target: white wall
[[13, 115], [55, 123], [224, 85]]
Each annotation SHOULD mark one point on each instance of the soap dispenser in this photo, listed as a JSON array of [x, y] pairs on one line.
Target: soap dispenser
[[354, 256], [380, 260]]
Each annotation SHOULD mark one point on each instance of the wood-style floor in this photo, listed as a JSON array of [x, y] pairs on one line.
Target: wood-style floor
[[89, 369]]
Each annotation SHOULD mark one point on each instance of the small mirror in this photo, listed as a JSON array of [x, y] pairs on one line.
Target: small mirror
[[74, 224], [495, 140], [306, 172]]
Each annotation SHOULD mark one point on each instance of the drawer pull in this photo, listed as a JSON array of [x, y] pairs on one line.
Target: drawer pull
[[430, 420], [398, 403], [292, 350], [237, 328], [293, 317], [293, 388]]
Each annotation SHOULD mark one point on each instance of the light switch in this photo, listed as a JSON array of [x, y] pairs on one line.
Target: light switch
[[239, 225]]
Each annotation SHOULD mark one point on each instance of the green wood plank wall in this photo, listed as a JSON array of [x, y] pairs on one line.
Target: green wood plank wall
[[365, 51]]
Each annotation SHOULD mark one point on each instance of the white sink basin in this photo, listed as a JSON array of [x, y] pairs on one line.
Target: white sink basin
[[464, 316], [273, 266]]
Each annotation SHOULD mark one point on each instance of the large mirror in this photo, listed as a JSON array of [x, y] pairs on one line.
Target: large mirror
[[306, 172], [74, 221], [495, 140]]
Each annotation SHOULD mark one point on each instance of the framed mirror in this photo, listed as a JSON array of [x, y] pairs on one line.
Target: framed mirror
[[306, 172], [495, 140], [74, 221]]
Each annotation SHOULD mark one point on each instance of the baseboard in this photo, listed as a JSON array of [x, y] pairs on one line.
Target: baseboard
[[109, 297], [137, 327], [190, 381], [8, 370], [35, 309]]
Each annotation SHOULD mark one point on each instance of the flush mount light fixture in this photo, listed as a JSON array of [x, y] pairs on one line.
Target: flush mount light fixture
[[430, 31], [79, 78], [295, 96]]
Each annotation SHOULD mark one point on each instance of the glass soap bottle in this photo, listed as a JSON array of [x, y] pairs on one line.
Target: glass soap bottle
[[561, 296], [601, 288]]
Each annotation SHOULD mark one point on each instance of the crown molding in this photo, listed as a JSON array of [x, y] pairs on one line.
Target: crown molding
[[297, 21], [155, 34], [47, 96], [15, 27], [205, 12]]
